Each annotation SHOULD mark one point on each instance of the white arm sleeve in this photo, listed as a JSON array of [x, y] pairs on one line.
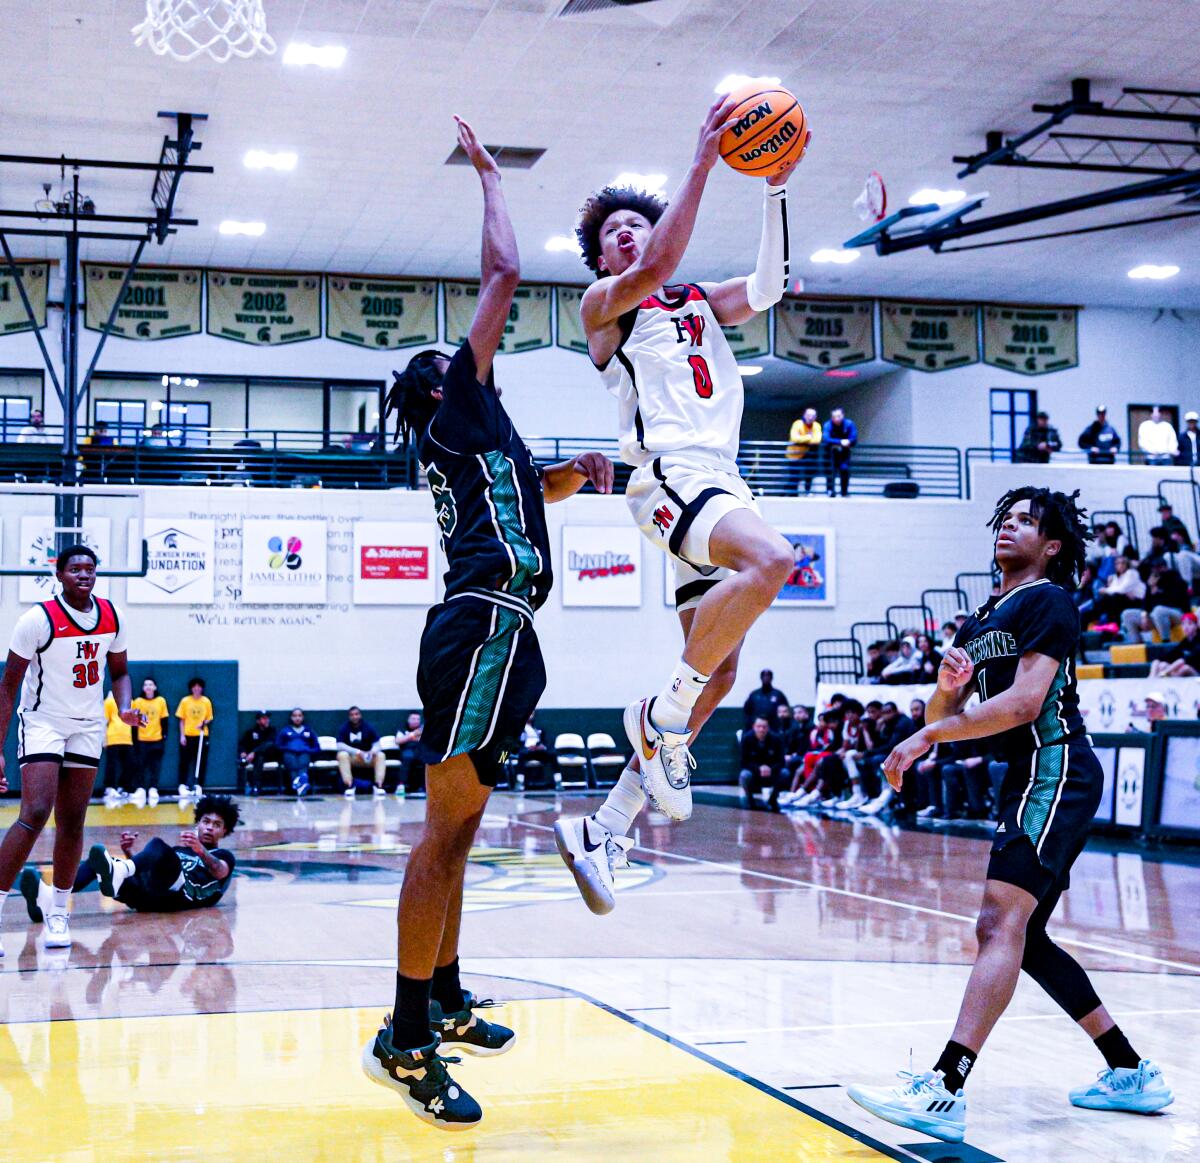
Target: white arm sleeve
[[766, 286], [31, 633]]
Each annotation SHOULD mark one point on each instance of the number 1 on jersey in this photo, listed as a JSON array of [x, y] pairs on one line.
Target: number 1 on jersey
[[701, 376]]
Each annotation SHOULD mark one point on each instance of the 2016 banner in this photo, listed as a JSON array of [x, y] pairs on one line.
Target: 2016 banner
[[384, 313], [395, 563], [570, 327], [181, 562], [825, 332], [284, 561], [929, 337], [34, 277], [159, 302], [528, 326], [751, 339], [264, 309], [1031, 340]]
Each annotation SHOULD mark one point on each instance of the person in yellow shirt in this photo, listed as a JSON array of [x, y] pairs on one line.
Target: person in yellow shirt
[[195, 715], [149, 745], [119, 772], [804, 452]]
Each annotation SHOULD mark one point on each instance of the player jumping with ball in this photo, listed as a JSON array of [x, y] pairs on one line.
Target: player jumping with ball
[[659, 348]]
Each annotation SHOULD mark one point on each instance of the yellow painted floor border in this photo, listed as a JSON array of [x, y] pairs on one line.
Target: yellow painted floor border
[[581, 1085]]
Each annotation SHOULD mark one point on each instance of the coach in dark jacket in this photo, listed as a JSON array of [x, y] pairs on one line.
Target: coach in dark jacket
[[762, 766], [1040, 440], [840, 435], [256, 747], [763, 701]]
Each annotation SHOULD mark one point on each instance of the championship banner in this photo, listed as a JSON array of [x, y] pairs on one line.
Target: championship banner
[[528, 326], [182, 562], [825, 332], [929, 337], [570, 327], [264, 309], [283, 561], [1031, 340], [751, 339], [382, 313], [395, 563], [35, 276], [39, 550], [159, 303], [811, 582], [601, 565]]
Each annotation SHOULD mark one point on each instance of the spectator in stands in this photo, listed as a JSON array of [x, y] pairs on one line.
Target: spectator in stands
[[1157, 439], [1162, 608], [931, 659], [783, 720], [412, 767], [298, 744], [857, 738], [948, 631], [1183, 658], [150, 744], [1123, 590], [876, 661], [1115, 536], [257, 747], [1182, 558], [905, 667], [1154, 709], [1173, 524], [965, 777], [891, 728], [35, 431], [1189, 440], [804, 452], [761, 703], [1100, 439], [840, 437], [99, 437], [1155, 554], [358, 746], [195, 715], [155, 438], [762, 766], [1040, 440], [534, 757], [801, 718], [120, 775], [822, 738]]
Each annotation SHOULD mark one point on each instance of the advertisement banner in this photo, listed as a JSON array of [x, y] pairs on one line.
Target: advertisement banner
[[601, 565], [528, 326], [182, 563], [929, 337], [395, 563], [284, 561], [570, 327], [34, 276], [1031, 340], [812, 580], [825, 332], [751, 339], [38, 548], [1181, 783], [264, 309], [380, 313], [159, 302]]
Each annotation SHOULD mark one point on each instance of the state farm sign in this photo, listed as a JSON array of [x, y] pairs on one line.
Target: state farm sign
[[394, 562]]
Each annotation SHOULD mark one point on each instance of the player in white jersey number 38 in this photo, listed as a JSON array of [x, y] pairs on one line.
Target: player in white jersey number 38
[[660, 350], [59, 648]]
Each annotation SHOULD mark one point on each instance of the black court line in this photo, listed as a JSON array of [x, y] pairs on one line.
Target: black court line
[[816, 1086], [734, 1042]]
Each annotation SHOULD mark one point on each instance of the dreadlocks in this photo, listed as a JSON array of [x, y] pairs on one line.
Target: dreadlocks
[[411, 395], [599, 206], [1060, 519]]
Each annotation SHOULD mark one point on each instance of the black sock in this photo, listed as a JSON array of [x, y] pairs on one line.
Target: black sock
[[955, 1063], [410, 1017], [1116, 1049], [447, 989]]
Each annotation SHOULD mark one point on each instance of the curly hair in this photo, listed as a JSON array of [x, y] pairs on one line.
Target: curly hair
[[1059, 518], [599, 206], [222, 806]]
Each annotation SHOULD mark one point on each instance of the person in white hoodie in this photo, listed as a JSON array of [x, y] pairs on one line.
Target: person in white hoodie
[[1157, 438]]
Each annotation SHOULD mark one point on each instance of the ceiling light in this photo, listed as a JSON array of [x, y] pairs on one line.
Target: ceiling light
[[737, 80], [261, 159], [651, 183], [190, 383], [938, 197], [838, 373], [252, 229], [330, 56], [1149, 270], [749, 369], [563, 242], [840, 256]]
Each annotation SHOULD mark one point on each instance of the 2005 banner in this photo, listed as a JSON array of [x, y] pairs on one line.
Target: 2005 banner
[[381, 313]]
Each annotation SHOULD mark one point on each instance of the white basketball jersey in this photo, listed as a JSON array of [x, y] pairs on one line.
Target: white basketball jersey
[[65, 676], [677, 384]]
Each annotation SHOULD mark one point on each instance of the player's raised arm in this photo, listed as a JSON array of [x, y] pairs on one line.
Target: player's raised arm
[[500, 268]]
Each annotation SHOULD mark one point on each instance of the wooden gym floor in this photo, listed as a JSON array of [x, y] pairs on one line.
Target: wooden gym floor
[[753, 967]]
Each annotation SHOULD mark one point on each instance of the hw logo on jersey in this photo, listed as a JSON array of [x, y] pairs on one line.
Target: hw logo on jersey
[[663, 517], [87, 650], [690, 329]]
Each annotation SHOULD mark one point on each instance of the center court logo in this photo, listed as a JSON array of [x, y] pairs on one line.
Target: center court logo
[[281, 556]]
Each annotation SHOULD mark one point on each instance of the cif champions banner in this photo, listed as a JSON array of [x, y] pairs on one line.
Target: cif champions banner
[[181, 563], [38, 551], [749, 340], [1031, 340], [380, 313], [283, 561], [825, 332], [811, 582], [264, 309], [929, 337], [528, 326], [601, 565], [159, 302], [395, 563], [34, 278], [570, 327]]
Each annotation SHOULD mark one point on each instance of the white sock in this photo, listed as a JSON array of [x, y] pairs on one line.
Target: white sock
[[3, 898], [623, 804], [58, 899], [673, 704]]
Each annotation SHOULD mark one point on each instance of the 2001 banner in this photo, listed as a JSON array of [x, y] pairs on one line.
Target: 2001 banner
[[825, 332], [383, 313], [34, 277], [1031, 340], [929, 337], [262, 308], [528, 326], [159, 302]]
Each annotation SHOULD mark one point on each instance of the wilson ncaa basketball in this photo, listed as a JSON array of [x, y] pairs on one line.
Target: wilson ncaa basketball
[[769, 133]]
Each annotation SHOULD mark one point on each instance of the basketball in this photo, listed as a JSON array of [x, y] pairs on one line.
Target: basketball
[[769, 133]]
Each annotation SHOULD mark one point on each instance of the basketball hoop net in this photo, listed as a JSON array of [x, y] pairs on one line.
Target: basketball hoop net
[[871, 204], [185, 29]]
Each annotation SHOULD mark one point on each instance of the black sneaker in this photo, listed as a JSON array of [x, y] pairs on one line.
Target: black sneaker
[[420, 1078], [467, 1031], [30, 882]]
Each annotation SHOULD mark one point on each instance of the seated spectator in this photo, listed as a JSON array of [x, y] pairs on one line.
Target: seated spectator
[[891, 729], [782, 723], [257, 747], [906, 667], [948, 631], [762, 702], [535, 760], [965, 777], [412, 766], [822, 738], [1040, 440], [801, 717], [837, 773], [931, 659], [1183, 659], [1156, 552], [1115, 536], [762, 766], [298, 744], [358, 746], [1173, 524], [1162, 608], [1123, 590], [155, 438], [1154, 710], [1183, 559], [877, 659], [1100, 439]]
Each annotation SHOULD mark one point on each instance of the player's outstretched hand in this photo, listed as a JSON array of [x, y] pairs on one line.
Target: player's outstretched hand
[[128, 840], [780, 179], [132, 718], [903, 756], [716, 121], [483, 161], [956, 670], [597, 468]]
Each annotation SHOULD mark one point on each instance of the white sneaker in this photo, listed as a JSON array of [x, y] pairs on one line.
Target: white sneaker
[[786, 798], [880, 802], [138, 799], [665, 761], [856, 801], [152, 798], [592, 852], [920, 1103], [349, 793], [57, 933], [183, 791], [925, 813], [379, 792], [807, 799], [832, 802], [111, 871], [1142, 1091], [112, 797], [197, 791]]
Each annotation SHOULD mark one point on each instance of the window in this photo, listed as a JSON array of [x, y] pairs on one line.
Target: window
[[1013, 410], [14, 415], [187, 425], [125, 419]]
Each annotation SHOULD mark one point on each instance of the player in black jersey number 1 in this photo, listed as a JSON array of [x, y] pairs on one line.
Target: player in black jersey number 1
[[1017, 652], [480, 673]]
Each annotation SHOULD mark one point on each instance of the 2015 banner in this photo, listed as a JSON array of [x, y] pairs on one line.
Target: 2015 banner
[[159, 302], [382, 313], [264, 309], [570, 327], [751, 339], [825, 332], [929, 337], [1031, 340], [528, 326], [34, 277]]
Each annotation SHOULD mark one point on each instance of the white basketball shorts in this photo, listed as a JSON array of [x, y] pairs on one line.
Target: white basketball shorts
[[43, 738]]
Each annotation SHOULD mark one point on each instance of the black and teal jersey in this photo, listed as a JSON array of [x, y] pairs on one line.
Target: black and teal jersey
[[487, 492], [1038, 617]]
